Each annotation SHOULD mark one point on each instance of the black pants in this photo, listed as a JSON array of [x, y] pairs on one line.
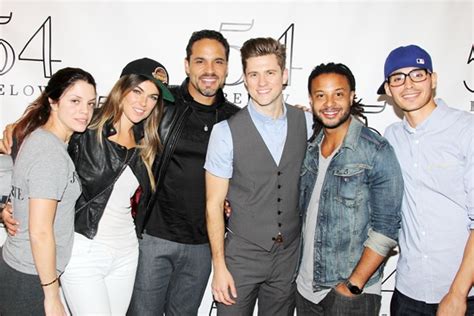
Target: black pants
[[402, 305], [20, 293]]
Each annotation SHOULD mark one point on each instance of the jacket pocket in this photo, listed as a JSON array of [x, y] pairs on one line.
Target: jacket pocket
[[349, 181]]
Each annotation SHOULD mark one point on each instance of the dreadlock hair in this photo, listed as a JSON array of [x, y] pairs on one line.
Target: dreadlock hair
[[357, 108]]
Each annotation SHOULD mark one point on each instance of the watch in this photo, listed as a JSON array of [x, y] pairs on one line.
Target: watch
[[354, 289]]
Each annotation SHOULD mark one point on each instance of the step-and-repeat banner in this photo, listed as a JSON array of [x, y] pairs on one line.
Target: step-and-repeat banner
[[39, 37]]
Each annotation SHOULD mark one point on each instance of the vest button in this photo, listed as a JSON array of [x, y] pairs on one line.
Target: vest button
[[279, 212], [273, 238], [279, 173], [279, 199], [279, 224], [279, 186]]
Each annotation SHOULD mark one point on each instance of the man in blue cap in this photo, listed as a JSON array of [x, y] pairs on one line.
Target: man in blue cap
[[435, 147]]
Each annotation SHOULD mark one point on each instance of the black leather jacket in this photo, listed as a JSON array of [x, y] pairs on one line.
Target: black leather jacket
[[171, 126], [98, 167]]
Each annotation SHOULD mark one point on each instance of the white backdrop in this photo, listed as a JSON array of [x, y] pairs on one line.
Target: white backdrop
[[39, 37]]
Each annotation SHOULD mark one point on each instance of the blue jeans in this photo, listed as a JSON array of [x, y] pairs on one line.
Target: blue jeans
[[402, 305], [171, 277]]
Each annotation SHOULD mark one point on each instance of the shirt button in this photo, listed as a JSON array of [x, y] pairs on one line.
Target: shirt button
[[417, 141], [423, 233], [415, 165]]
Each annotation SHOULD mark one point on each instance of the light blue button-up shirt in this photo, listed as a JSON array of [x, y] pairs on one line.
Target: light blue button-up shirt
[[220, 151], [437, 161]]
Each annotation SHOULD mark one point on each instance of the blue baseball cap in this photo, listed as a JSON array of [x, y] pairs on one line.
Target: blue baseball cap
[[405, 56]]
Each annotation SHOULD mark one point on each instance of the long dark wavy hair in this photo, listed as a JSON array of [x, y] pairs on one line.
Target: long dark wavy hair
[[37, 113]]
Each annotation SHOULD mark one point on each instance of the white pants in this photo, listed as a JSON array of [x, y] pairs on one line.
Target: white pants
[[99, 278]]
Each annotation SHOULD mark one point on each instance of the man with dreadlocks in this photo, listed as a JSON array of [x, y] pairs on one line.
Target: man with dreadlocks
[[350, 197]]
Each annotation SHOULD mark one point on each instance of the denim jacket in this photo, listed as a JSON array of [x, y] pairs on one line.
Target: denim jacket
[[359, 204]]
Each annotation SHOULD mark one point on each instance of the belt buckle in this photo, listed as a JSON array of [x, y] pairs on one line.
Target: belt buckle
[[279, 239]]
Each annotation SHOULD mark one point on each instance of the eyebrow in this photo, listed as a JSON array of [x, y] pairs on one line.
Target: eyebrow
[[79, 97], [211, 59], [335, 90], [403, 73]]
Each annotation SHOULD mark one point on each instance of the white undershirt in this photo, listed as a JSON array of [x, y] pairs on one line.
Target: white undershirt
[[116, 227]]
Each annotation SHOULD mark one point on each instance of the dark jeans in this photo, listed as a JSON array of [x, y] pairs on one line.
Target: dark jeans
[[402, 305], [335, 304], [20, 293], [171, 277]]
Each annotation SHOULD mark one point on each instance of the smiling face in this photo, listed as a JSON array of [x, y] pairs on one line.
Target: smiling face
[[139, 102], [331, 99], [74, 108], [206, 69], [264, 80], [414, 97]]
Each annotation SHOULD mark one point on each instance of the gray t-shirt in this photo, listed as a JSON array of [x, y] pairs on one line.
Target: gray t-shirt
[[42, 170]]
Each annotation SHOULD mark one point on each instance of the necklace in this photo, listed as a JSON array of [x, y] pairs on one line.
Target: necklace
[[206, 127]]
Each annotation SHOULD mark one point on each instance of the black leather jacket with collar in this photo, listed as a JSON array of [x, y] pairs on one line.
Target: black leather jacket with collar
[[98, 166], [171, 126]]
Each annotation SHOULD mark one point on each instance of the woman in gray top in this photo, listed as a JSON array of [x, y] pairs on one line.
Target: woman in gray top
[[44, 191], [113, 157]]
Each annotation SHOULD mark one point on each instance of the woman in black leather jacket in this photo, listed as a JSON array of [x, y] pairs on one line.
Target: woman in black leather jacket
[[113, 158]]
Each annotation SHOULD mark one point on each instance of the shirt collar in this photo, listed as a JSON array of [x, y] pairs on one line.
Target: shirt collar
[[350, 139], [353, 132], [138, 130], [256, 115], [433, 121]]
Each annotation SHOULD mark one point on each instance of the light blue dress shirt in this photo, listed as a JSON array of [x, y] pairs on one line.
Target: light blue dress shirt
[[437, 161], [219, 157]]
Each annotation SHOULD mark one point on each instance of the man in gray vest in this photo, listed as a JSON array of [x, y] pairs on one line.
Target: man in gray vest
[[254, 160]]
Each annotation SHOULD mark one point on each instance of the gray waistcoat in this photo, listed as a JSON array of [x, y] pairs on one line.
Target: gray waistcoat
[[264, 196]]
